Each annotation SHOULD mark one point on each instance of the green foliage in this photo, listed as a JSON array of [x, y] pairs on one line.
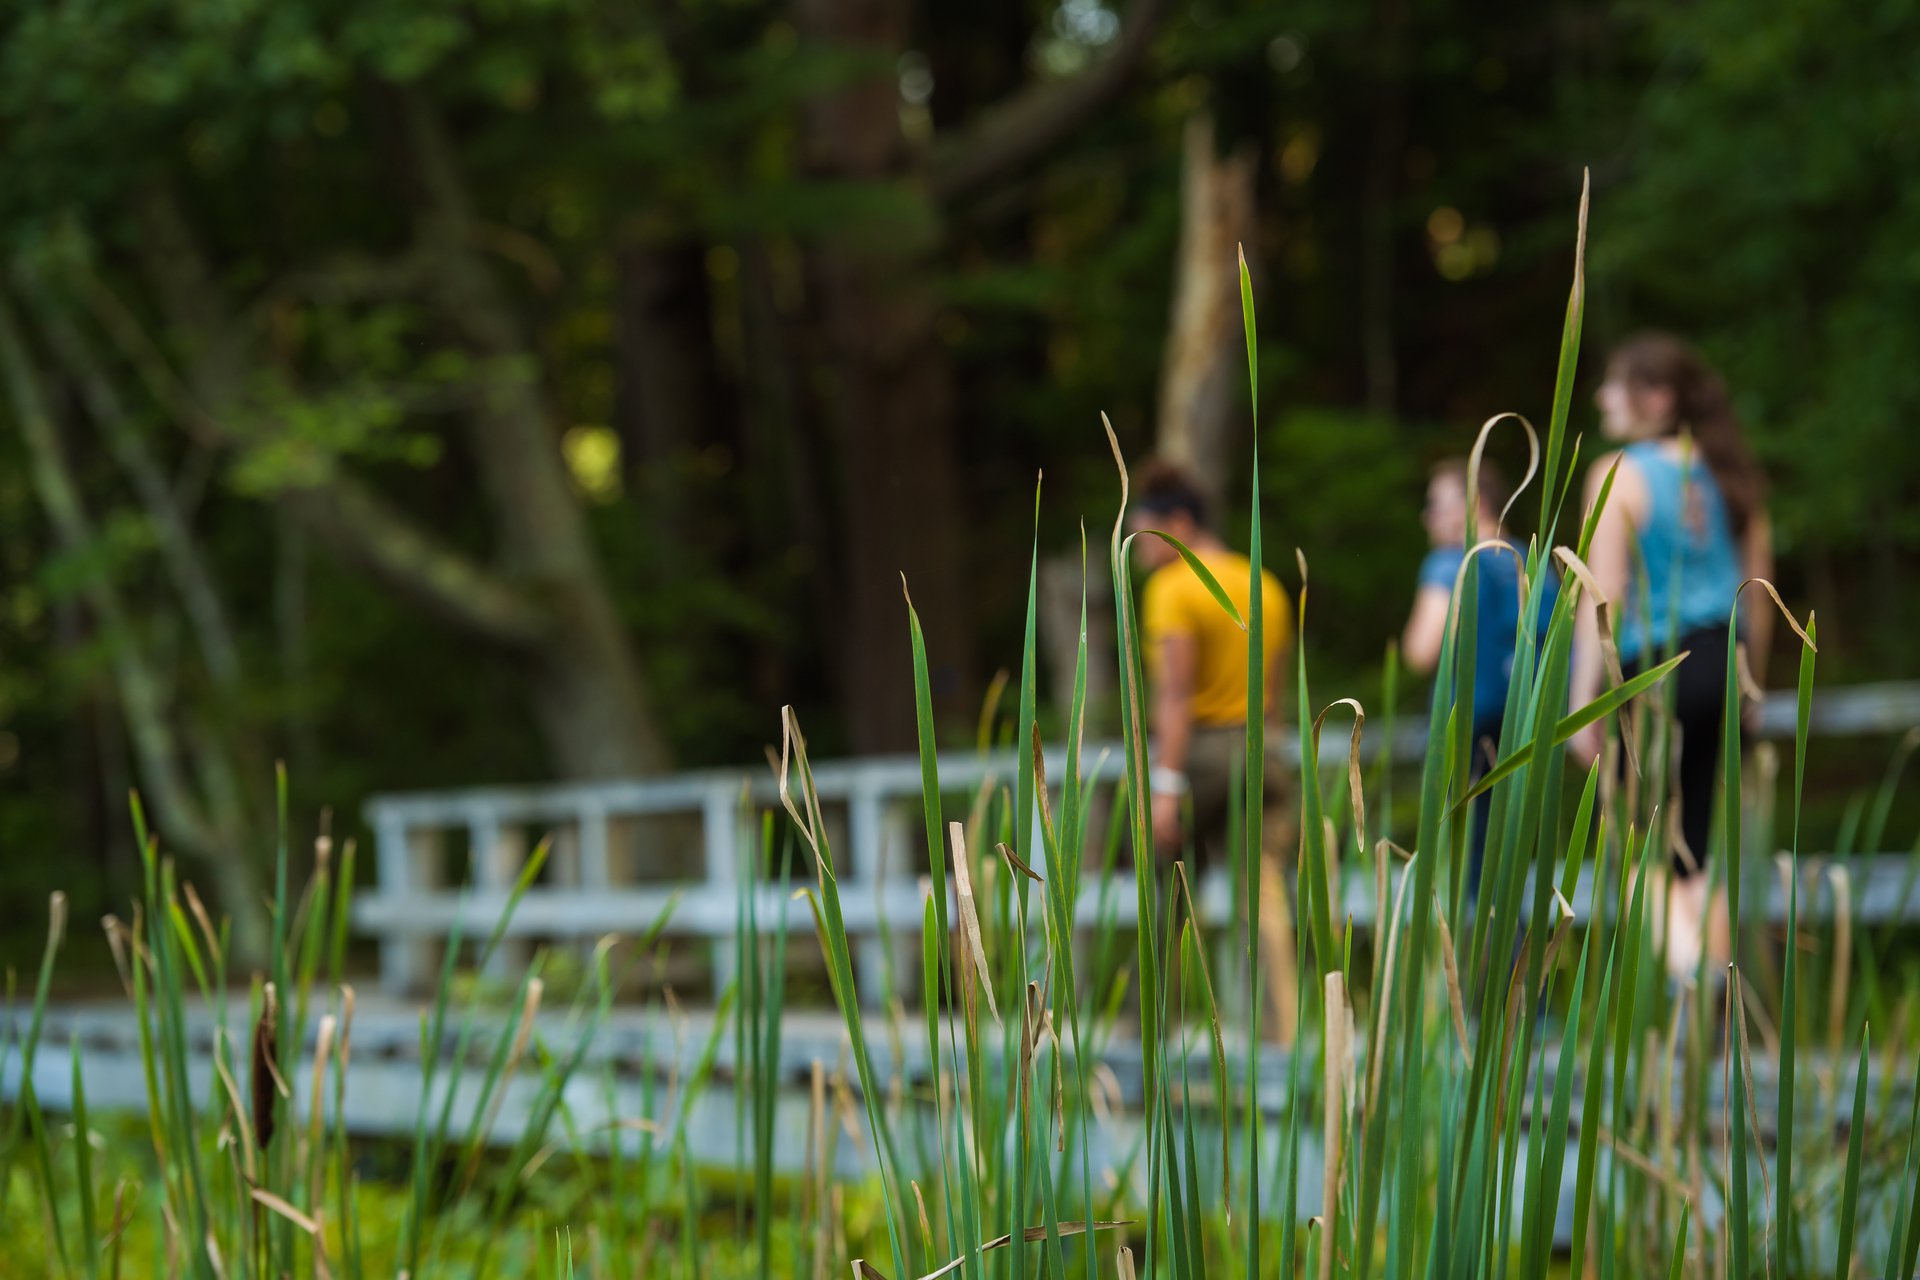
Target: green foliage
[[1787, 270], [1448, 1126]]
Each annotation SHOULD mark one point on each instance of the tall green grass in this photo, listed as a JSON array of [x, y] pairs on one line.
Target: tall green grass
[[1460, 1073]]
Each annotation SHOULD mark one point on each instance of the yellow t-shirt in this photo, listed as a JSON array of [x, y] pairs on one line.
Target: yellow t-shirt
[[1176, 602]]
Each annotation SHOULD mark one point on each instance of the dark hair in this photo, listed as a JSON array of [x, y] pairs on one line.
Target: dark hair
[[1494, 490], [1700, 406], [1165, 487]]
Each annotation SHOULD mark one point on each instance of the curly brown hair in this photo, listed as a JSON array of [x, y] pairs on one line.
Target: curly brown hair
[[1702, 407]]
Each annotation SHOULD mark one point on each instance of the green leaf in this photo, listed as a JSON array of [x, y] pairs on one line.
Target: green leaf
[[1200, 570], [1606, 703], [1856, 1137]]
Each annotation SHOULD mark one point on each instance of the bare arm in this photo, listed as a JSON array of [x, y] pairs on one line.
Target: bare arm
[[1425, 630], [1610, 559], [1172, 683], [1756, 561], [1176, 657]]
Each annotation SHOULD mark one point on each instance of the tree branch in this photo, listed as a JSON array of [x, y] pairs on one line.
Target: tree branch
[[355, 521], [365, 528], [179, 550], [155, 745], [1016, 132]]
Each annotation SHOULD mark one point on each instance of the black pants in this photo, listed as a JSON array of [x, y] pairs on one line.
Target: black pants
[[1699, 706]]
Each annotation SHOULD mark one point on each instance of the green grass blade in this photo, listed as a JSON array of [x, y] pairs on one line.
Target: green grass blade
[[1253, 814], [929, 763], [83, 1167], [1200, 571], [1590, 1110], [42, 1145], [1730, 796], [1856, 1138], [1563, 378], [1133, 728], [1608, 702], [1677, 1269], [1904, 1245], [1790, 982], [1252, 334], [1740, 1218]]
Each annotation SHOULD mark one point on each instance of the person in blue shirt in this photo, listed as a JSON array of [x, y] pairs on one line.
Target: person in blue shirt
[[1498, 620], [1685, 524]]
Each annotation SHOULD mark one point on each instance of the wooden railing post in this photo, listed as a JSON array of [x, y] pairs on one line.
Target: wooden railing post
[[719, 813]]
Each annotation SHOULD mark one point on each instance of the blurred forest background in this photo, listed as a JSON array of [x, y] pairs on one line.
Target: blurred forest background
[[431, 393]]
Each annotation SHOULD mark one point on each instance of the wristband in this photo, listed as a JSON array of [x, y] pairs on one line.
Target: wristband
[[1167, 782]]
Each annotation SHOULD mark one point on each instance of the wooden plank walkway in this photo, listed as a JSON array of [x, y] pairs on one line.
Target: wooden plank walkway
[[384, 1090]]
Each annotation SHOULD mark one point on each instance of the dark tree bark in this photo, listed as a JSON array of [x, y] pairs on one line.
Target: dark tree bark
[[546, 600], [888, 386], [670, 399], [887, 391], [188, 791], [1201, 398], [589, 694]]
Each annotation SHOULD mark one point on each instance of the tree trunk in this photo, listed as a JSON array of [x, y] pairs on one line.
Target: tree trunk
[[669, 392], [589, 695], [206, 821], [888, 394], [1205, 361]]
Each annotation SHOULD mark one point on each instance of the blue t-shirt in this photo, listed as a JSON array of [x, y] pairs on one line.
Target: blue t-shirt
[[1687, 553], [1498, 623]]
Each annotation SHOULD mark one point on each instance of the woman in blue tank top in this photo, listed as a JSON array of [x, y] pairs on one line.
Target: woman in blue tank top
[[1685, 525]]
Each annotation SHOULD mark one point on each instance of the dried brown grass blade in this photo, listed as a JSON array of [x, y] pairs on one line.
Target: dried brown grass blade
[[1378, 1060], [1013, 861], [792, 745], [1276, 941], [119, 942], [1645, 1164], [1609, 648], [1040, 791], [1028, 1235], [1780, 604], [316, 1106], [1451, 966], [926, 1227], [285, 1210], [990, 709], [232, 1090], [201, 917], [529, 1009], [969, 912], [346, 1025], [1473, 471], [1355, 792]]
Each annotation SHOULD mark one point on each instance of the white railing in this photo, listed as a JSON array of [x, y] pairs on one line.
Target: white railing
[[598, 880]]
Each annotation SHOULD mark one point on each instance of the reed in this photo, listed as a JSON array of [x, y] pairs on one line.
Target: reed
[[1456, 1073]]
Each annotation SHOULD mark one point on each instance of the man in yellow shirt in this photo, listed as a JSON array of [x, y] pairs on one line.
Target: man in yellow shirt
[[1196, 660]]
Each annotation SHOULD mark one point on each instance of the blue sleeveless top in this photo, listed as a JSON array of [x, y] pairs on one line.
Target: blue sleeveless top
[[1497, 625], [1690, 566]]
